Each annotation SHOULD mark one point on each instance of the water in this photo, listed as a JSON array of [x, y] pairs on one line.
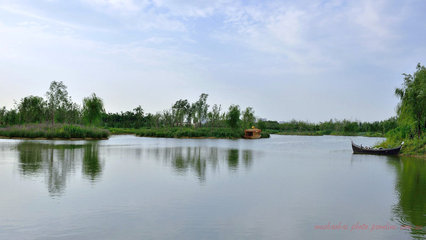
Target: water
[[285, 187]]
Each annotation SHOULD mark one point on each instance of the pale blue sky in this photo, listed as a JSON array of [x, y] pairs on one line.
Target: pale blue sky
[[304, 60]]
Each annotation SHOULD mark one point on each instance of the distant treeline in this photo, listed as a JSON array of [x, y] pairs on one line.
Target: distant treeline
[[58, 107], [344, 127]]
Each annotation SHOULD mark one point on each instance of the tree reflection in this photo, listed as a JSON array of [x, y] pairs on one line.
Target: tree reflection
[[233, 159], [57, 161], [248, 158], [199, 159], [30, 158], [411, 186], [92, 168]]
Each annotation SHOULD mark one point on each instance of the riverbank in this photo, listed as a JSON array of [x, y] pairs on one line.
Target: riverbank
[[415, 147], [184, 132], [56, 131]]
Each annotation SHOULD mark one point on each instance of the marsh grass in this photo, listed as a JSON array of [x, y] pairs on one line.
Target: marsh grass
[[48, 131]]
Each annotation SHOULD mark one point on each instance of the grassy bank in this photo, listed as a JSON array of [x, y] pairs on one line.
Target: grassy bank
[[184, 132], [411, 146], [321, 133], [60, 131]]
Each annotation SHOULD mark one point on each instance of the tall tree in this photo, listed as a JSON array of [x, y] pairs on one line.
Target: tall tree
[[201, 107], [233, 116], [180, 109], [93, 107], [57, 97], [248, 117], [412, 108], [3, 113], [214, 115], [31, 109], [139, 112]]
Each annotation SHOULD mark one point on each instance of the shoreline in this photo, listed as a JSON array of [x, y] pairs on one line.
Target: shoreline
[[318, 134], [61, 139]]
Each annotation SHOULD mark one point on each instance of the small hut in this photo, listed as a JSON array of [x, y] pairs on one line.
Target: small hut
[[252, 133]]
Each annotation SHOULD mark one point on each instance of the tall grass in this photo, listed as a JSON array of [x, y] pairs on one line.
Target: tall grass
[[48, 131]]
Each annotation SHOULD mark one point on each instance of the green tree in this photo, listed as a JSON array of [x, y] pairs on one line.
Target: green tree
[[167, 118], [179, 110], [412, 108], [261, 124], [31, 109], [139, 112], [11, 117], [214, 115], [201, 107], [73, 113], [233, 116], [248, 117], [57, 98], [3, 113], [93, 108]]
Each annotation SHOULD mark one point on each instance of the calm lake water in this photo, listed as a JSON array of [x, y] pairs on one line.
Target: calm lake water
[[285, 187]]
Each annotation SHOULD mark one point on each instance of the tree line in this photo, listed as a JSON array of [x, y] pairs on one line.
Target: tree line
[[58, 107], [331, 126], [183, 114]]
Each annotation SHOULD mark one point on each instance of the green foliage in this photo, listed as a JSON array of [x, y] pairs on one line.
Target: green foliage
[[53, 131], [412, 108], [332, 127], [93, 107], [57, 99], [31, 109], [265, 135], [261, 125], [233, 116], [214, 115], [248, 117], [411, 115], [180, 110], [200, 109]]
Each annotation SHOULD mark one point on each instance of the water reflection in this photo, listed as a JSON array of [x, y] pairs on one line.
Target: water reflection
[[233, 159], [411, 187], [199, 159], [92, 167], [57, 161]]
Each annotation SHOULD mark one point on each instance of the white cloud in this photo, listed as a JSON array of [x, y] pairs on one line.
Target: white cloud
[[117, 5]]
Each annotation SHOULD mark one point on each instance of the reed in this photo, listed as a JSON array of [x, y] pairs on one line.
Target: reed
[[48, 131]]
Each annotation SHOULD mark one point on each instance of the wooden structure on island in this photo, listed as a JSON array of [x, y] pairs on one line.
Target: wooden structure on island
[[253, 133]]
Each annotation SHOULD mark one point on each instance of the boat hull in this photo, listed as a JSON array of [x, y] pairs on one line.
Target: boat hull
[[385, 151], [252, 137]]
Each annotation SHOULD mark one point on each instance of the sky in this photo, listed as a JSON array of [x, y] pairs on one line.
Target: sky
[[303, 60]]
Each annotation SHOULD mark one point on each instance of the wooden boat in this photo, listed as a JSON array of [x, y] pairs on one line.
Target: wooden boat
[[379, 151], [252, 133]]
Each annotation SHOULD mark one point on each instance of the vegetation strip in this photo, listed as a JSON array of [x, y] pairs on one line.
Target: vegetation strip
[[67, 120]]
